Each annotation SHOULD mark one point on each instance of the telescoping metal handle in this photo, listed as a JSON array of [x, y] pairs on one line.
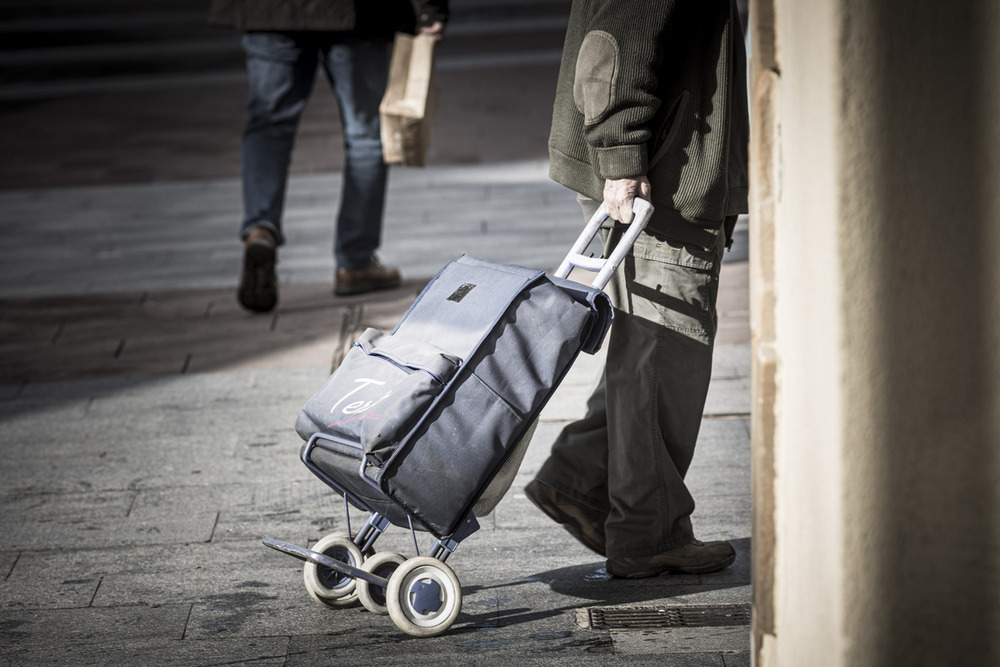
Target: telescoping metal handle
[[642, 209]]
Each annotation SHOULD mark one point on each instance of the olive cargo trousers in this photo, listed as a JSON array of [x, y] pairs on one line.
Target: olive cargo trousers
[[628, 456]]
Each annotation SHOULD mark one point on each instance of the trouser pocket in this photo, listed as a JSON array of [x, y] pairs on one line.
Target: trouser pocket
[[670, 284]]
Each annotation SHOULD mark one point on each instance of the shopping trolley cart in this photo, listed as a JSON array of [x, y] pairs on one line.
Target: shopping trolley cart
[[424, 427]]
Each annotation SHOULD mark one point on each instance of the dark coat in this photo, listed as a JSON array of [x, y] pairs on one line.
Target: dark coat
[[656, 88], [369, 18]]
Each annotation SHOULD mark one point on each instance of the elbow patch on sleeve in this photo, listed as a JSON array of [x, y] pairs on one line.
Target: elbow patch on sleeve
[[596, 73]]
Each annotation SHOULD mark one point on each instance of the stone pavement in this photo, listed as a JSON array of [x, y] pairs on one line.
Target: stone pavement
[[146, 421], [147, 448]]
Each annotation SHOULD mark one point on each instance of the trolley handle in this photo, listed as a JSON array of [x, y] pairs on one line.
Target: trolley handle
[[604, 268]]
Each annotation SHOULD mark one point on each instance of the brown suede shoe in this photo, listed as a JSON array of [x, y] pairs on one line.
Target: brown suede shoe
[[694, 558], [584, 523], [358, 281]]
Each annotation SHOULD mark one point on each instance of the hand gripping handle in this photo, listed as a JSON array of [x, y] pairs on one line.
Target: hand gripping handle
[[642, 209]]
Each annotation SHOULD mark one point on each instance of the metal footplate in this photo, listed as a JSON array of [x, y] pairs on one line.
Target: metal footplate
[[325, 561]]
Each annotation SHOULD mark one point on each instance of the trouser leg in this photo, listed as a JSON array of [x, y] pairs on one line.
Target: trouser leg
[[654, 416], [578, 463], [358, 71], [280, 72], [638, 437]]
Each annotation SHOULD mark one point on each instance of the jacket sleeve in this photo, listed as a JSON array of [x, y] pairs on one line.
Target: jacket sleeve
[[615, 81], [429, 11]]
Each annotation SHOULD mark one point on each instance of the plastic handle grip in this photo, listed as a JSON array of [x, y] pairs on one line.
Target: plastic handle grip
[[605, 268]]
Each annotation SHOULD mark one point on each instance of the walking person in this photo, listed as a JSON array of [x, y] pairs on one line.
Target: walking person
[[285, 42], [650, 102]]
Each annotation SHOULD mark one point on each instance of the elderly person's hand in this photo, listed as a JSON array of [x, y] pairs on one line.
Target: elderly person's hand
[[618, 196], [435, 30]]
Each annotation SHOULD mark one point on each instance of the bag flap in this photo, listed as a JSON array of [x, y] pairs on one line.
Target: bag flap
[[459, 308], [408, 353]]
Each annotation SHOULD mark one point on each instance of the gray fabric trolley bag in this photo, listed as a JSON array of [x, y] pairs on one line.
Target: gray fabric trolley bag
[[425, 427]]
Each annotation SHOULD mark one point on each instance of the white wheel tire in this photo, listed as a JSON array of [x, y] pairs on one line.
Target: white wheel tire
[[401, 595], [336, 603], [373, 596], [318, 578]]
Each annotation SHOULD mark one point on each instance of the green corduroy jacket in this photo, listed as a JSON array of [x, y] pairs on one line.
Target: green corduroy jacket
[[371, 18], [656, 88]]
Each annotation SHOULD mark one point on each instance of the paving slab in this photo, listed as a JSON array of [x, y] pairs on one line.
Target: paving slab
[[61, 627], [268, 652], [42, 594], [83, 533]]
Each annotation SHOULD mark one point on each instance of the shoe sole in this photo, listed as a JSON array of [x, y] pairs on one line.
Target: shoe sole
[[258, 270], [654, 572], [568, 523]]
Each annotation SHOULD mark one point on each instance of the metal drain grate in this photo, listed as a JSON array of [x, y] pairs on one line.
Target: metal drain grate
[[681, 616]]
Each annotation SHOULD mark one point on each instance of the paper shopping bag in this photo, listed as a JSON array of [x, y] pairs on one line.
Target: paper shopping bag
[[407, 108]]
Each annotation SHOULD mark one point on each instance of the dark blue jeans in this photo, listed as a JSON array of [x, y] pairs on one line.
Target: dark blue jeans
[[281, 69]]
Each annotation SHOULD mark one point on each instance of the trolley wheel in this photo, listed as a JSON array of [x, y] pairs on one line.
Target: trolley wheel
[[424, 597], [325, 585], [372, 596]]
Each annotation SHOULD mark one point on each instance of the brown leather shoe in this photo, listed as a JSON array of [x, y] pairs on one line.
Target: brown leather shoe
[[694, 558], [584, 523], [358, 281]]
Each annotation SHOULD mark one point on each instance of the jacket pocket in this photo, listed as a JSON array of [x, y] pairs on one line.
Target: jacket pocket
[[669, 130], [380, 391]]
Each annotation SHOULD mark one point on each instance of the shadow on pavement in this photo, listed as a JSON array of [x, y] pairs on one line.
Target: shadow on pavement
[[136, 335], [590, 583]]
